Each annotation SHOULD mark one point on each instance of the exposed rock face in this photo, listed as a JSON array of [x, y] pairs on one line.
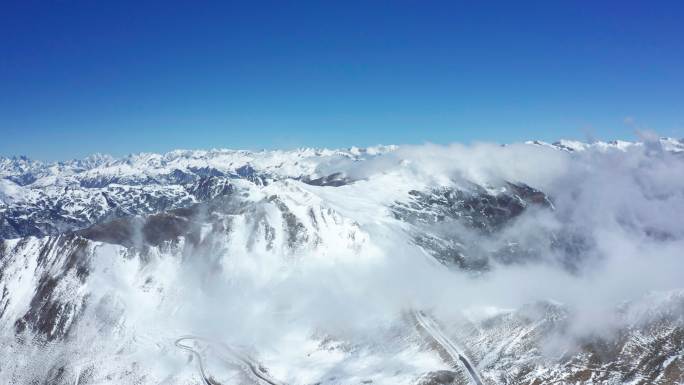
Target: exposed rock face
[[446, 219], [475, 208], [56, 269], [441, 377]]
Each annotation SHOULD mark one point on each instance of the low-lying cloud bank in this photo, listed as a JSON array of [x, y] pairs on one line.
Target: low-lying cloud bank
[[620, 208]]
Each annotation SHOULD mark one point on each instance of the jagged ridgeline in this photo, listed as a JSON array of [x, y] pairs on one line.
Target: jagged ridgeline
[[386, 265]]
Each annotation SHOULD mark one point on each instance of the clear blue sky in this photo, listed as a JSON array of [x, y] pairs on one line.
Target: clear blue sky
[[82, 77]]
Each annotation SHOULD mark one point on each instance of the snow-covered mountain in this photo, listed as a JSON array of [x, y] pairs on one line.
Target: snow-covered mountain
[[528, 263]]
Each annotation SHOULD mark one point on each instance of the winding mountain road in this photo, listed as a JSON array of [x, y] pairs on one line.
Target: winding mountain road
[[439, 337], [252, 367], [197, 356]]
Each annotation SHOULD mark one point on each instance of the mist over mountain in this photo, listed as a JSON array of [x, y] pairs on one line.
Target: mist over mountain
[[528, 263]]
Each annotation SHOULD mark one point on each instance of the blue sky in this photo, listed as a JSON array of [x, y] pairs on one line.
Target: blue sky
[[82, 77]]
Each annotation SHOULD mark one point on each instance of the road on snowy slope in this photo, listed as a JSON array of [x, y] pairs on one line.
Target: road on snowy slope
[[436, 333], [242, 359]]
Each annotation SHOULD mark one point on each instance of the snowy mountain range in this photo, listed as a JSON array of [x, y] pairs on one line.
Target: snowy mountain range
[[527, 263]]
